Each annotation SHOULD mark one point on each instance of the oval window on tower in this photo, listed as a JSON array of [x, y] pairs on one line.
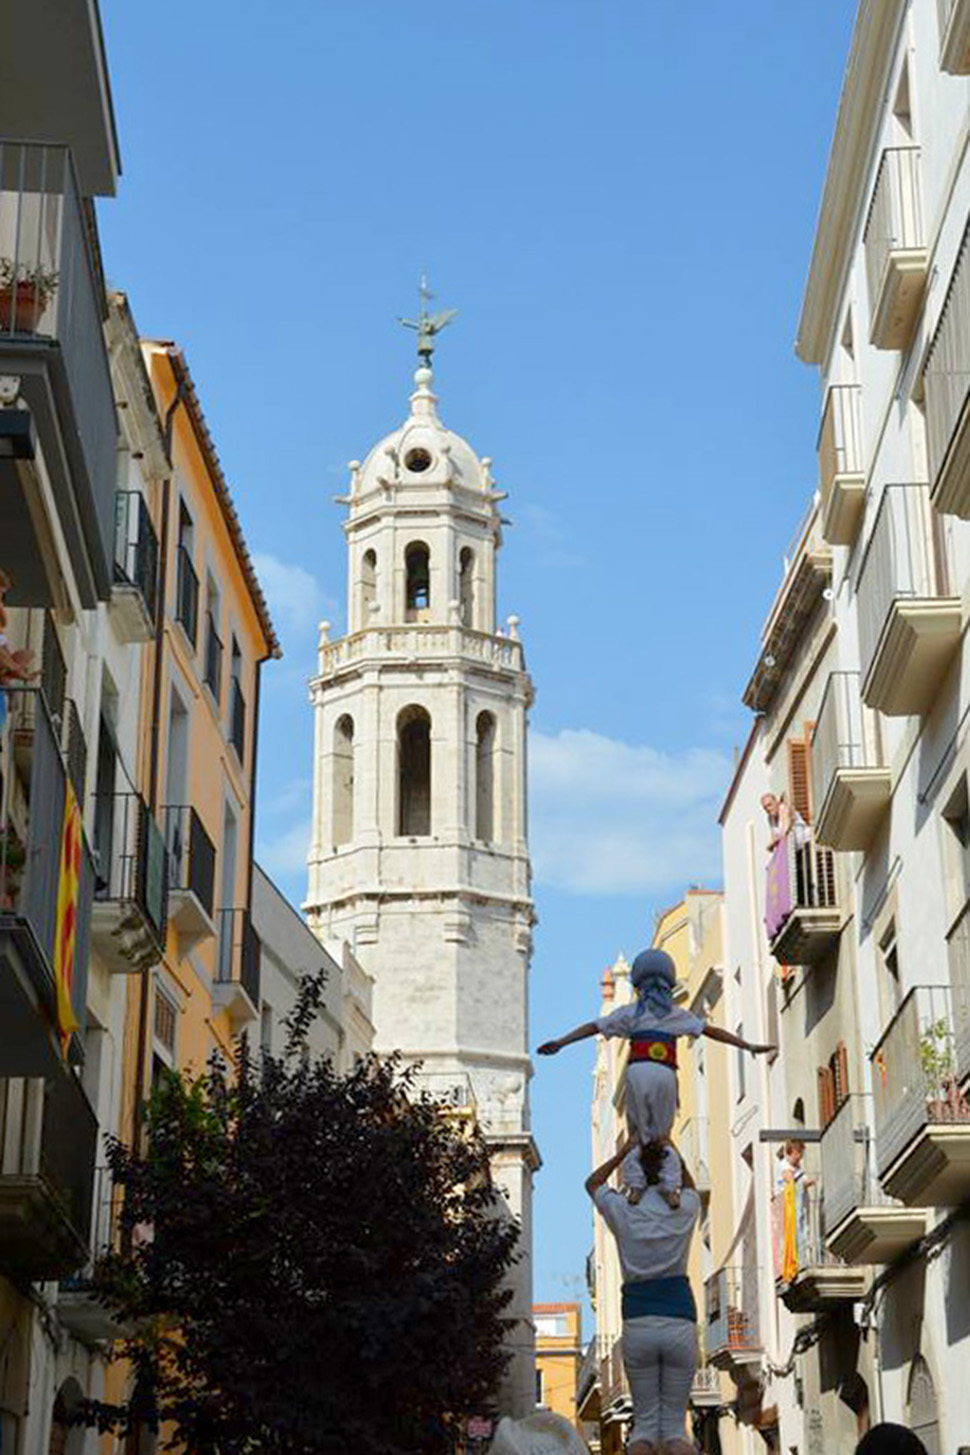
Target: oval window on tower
[[417, 460]]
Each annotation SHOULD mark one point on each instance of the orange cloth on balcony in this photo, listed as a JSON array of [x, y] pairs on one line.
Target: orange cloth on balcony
[[65, 931], [789, 1261]]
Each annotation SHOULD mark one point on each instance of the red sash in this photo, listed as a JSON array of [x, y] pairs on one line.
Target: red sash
[[661, 1053]]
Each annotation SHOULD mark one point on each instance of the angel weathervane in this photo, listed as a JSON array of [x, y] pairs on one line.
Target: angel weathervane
[[428, 325]]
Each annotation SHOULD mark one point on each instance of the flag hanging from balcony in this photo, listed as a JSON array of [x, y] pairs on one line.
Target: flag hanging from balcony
[[68, 893]]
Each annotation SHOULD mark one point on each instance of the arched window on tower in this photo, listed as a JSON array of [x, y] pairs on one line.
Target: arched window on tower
[[922, 1403], [368, 586], [343, 780], [466, 585], [417, 563], [414, 772], [485, 778]]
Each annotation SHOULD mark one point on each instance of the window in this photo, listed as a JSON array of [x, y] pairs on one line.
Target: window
[[833, 1084], [799, 772], [417, 565], [343, 781], [538, 1386], [165, 1021], [772, 1017], [368, 586], [187, 582], [485, 777], [414, 772], [266, 1028], [739, 1032], [955, 829], [466, 586], [237, 703], [889, 973]]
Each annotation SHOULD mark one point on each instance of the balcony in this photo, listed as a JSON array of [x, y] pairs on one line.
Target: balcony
[[922, 1112], [451, 1090], [705, 1389], [408, 643], [895, 244], [732, 1336], [841, 468], [809, 1278], [946, 385], [909, 617], [848, 776], [614, 1392], [693, 1143], [134, 596], [48, 1148], [31, 840], [237, 721], [51, 303], [214, 653], [236, 988], [191, 876], [802, 914], [588, 1385], [807, 573], [187, 596], [863, 1224], [78, 1309], [954, 18], [130, 913]]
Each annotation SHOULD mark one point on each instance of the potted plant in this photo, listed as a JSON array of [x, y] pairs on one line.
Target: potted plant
[[24, 294], [944, 1100], [13, 857]]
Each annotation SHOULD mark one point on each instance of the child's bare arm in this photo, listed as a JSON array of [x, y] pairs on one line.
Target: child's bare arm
[[716, 1033], [602, 1174], [581, 1033]]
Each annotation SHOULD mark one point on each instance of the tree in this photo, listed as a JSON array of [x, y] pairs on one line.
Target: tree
[[311, 1262]]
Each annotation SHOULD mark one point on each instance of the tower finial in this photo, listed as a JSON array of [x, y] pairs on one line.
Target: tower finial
[[427, 325]]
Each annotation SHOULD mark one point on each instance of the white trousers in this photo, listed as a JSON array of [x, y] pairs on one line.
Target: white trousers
[[660, 1358], [651, 1098]]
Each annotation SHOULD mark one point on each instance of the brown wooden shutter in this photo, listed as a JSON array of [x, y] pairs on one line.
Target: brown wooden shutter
[[826, 1095], [840, 1074], [799, 789]]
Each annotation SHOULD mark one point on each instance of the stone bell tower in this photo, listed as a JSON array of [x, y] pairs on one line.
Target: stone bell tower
[[419, 854]]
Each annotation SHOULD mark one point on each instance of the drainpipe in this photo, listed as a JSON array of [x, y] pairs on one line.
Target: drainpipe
[[252, 782]]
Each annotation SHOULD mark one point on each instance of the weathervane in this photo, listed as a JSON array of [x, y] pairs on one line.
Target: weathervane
[[427, 325]]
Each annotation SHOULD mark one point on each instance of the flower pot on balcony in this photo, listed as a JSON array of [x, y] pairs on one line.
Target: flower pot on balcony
[[21, 306]]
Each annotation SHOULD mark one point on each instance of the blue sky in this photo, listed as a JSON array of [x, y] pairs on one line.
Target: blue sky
[[619, 196]]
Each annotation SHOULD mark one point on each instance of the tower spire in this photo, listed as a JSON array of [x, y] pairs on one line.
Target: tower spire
[[427, 325]]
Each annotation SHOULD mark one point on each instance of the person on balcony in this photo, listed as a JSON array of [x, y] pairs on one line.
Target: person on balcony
[[653, 1024], [659, 1314], [15, 666]]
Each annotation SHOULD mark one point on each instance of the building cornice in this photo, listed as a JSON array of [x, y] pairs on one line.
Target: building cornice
[[856, 130]]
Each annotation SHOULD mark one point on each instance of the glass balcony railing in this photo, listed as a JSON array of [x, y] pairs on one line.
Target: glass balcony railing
[[916, 1069]]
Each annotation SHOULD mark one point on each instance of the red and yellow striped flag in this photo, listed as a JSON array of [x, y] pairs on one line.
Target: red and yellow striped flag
[[68, 890]]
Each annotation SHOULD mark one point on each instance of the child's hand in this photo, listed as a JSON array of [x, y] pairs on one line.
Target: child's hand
[[549, 1048]]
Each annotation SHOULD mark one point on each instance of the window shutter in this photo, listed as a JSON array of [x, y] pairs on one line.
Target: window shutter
[[840, 1075], [798, 788], [826, 1095]]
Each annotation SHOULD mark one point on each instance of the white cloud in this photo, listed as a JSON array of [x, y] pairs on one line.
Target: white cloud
[[609, 817], [283, 856], [295, 597]]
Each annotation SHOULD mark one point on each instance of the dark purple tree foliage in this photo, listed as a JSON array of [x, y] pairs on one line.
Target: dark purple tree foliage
[[310, 1261]]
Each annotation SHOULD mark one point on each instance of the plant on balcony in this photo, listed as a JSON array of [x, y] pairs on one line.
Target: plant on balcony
[[944, 1100], [24, 294], [325, 1270], [13, 857]]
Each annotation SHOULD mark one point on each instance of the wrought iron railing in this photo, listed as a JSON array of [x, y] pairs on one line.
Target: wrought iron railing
[[48, 1130], [915, 1069], [946, 375], [840, 435], [213, 657], [798, 1240], [902, 561], [731, 1310], [846, 733], [237, 720], [849, 1179], [136, 547], [958, 955], [132, 862], [53, 293], [191, 854], [895, 221], [240, 950], [187, 595]]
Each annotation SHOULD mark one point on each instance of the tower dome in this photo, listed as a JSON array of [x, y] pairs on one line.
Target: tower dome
[[422, 452]]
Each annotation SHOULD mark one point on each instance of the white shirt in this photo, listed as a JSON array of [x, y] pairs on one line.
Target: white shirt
[[653, 1238], [634, 1019]]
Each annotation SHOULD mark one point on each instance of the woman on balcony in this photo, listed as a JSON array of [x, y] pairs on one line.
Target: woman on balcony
[[659, 1314]]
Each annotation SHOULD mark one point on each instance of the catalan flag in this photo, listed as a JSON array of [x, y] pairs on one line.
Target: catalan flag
[[68, 888]]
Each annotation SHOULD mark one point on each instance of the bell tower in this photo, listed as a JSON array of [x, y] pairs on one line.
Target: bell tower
[[419, 854]]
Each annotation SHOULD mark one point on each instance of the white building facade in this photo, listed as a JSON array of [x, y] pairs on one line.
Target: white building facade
[[419, 855]]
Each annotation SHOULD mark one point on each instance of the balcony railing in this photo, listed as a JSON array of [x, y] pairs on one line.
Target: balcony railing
[[801, 901], [30, 869], [50, 294], [801, 1246], [49, 1137], [237, 720], [136, 553], [706, 1386], [191, 855], [187, 595], [848, 1170], [851, 785], [731, 1313], [589, 1373], [405, 643], [213, 657], [452, 1089], [954, 18], [908, 621], [946, 379], [238, 962], [915, 1070], [75, 749], [132, 876], [895, 244], [958, 954], [841, 464], [53, 670]]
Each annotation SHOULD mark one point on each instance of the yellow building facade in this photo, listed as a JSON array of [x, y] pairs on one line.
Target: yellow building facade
[[559, 1351]]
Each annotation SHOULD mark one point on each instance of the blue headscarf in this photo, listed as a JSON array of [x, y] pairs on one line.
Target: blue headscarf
[[654, 975]]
